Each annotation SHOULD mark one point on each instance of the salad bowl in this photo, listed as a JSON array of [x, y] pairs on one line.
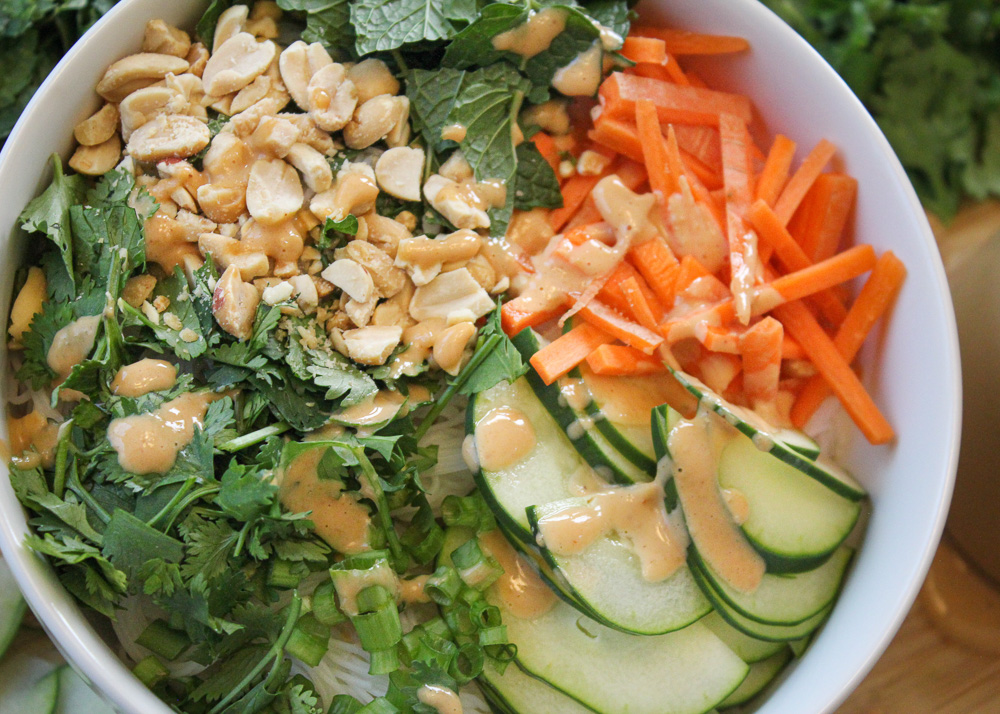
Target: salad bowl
[[912, 367]]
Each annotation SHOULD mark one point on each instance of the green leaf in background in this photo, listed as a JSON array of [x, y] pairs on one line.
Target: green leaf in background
[[536, 185]]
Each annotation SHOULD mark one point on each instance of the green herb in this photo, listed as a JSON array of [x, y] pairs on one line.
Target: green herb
[[383, 25], [536, 185], [327, 21]]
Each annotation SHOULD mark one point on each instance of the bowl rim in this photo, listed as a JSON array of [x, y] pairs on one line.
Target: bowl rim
[[64, 620]]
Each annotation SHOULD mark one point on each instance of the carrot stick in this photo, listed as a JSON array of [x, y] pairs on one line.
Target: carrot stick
[[638, 305], [644, 49], [567, 351], [834, 196], [873, 301], [574, 192], [653, 71], [610, 321], [720, 339], [701, 142], [792, 256], [761, 348], [631, 174], [547, 148], [736, 174], [836, 371], [514, 316], [676, 73], [681, 42], [617, 134], [654, 152], [611, 293], [718, 370], [774, 175], [623, 361], [801, 181], [657, 264], [674, 103], [790, 349]]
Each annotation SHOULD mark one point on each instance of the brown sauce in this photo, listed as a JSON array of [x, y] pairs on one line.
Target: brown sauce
[[504, 436]]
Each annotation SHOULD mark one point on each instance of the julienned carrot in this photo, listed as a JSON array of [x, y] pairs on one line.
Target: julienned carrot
[[701, 142], [802, 180], [515, 316], [720, 339], [638, 305], [737, 178], [644, 50], [761, 349], [652, 71], [718, 370], [774, 175], [623, 361], [873, 301], [674, 103], [681, 42], [792, 257], [836, 371], [654, 152], [657, 264], [676, 73], [567, 351], [833, 197], [574, 193], [599, 231], [610, 321], [547, 148], [790, 349], [839, 269], [690, 270]]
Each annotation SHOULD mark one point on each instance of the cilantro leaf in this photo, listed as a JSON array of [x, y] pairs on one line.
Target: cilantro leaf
[[38, 339], [129, 543], [49, 213], [179, 326], [536, 185], [245, 494], [383, 25], [500, 360], [341, 378], [329, 238]]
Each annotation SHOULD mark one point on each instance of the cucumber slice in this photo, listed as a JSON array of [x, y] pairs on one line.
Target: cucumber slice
[[794, 521], [590, 436], [28, 684], [515, 692], [544, 475], [761, 674], [12, 607], [749, 649], [606, 578], [753, 628], [798, 647], [612, 672], [790, 446], [75, 695], [784, 599]]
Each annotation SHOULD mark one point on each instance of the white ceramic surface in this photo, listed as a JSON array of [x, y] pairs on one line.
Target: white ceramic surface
[[916, 379]]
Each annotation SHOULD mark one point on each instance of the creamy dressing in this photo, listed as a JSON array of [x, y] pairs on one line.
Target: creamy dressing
[[143, 377], [573, 393], [442, 699], [32, 431], [412, 590], [454, 132], [534, 35], [627, 400], [582, 76], [765, 299], [585, 481], [636, 513], [349, 586], [379, 408], [520, 590], [695, 447], [282, 241], [629, 213], [504, 436], [339, 518], [72, 344], [149, 443], [167, 242]]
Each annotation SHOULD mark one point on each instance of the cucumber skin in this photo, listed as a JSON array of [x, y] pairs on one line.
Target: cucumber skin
[[526, 343]]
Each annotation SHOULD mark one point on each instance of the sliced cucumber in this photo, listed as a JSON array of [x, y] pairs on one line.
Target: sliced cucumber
[[788, 445], [75, 695], [28, 685], [589, 433], [749, 649], [12, 607], [515, 692], [761, 674], [612, 397], [684, 672], [783, 599], [798, 647], [544, 475], [607, 580], [753, 628], [794, 521]]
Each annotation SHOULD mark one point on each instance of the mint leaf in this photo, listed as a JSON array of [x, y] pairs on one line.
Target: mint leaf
[[49, 213], [432, 95], [612, 14], [383, 25], [473, 46], [327, 22], [536, 185], [500, 359], [577, 37]]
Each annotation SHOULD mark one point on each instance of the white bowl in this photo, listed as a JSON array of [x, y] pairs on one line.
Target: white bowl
[[915, 379]]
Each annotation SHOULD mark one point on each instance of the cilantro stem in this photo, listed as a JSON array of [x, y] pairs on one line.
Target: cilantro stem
[[254, 437], [382, 506], [188, 485], [62, 451], [398, 57], [275, 653], [192, 497], [83, 494], [482, 352]]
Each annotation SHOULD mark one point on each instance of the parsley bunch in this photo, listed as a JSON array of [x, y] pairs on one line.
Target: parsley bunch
[[929, 71]]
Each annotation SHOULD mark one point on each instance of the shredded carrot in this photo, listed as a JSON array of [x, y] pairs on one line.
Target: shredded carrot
[[574, 192], [514, 316], [567, 351], [690, 270], [599, 231], [652, 71], [792, 257], [702, 143], [638, 304], [547, 148], [720, 339], [654, 152], [674, 103], [623, 361], [718, 370], [681, 42], [790, 349], [613, 295], [736, 171], [761, 347], [836, 371], [832, 198], [644, 50], [774, 175], [609, 320], [617, 134], [802, 180], [873, 301], [657, 264]]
